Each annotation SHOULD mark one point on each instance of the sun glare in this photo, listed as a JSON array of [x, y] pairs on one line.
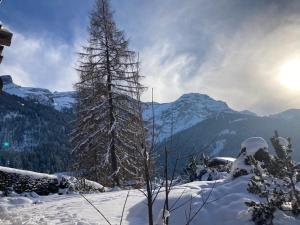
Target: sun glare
[[290, 74]]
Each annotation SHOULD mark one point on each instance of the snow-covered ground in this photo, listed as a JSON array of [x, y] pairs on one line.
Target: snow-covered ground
[[220, 202], [225, 206]]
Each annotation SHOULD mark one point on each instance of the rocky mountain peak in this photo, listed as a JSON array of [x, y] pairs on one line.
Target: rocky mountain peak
[[59, 100], [7, 79]]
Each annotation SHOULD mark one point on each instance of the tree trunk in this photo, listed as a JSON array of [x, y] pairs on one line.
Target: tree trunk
[[114, 163]]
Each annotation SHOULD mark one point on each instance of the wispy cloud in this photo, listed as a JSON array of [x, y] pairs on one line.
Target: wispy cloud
[[41, 62], [231, 50]]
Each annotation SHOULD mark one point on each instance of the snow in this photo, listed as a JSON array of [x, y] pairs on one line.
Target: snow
[[283, 142], [11, 115], [33, 175], [225, 206], [163, 214], [297, 185], [59, 100], [218, 147], [227, 197], [238, 120], [226, 159], [253, 144], [227, 132], [63, 100], [184, 113], [239, 164]]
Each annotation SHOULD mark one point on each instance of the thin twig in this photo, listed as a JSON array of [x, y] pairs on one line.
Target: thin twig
[[190, 208], [182, 204], [96, 209], [124, 207], [204, 203], [156, 192], [174, 204]]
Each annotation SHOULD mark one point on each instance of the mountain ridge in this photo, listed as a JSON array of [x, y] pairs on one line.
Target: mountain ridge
[[195, 121], [59, 100]]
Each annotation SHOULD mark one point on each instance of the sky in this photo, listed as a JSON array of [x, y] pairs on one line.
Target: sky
[[244, 52]]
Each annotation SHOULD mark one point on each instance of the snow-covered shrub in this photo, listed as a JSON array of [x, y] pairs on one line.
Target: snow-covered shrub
[[190, 171], [208, 169], [275, 181], [255, 147], [262, 214]]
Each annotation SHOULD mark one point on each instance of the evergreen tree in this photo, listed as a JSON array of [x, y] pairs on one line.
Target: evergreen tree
[[108, 125], [275, 180]]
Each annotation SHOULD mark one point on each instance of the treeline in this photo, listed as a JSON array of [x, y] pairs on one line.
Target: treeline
[[33, 136], [44, 158]]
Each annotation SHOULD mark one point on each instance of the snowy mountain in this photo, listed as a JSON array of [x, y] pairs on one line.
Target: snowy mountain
[[59, 100], [289, 114], [247, 112], [200, 124], [183, 113]]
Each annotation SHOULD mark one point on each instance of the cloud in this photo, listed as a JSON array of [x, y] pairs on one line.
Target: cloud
[[230, 50], [41, 62], [163, 73]]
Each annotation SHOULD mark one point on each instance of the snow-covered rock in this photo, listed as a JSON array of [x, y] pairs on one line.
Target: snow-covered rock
[[22, 181]]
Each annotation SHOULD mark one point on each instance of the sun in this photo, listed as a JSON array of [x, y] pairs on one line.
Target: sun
[[289, 74]]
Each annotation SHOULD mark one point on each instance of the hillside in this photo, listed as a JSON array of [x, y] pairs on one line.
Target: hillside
[[221, 135], [29, 130]]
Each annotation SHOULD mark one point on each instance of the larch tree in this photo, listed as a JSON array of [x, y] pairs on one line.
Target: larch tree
[[108, 130]]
